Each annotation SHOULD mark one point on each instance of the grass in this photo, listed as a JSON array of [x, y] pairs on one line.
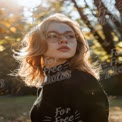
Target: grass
[[16, 109], [115, 114]]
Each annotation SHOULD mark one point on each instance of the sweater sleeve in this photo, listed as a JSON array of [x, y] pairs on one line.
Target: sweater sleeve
[[90, 98], [97, 101]]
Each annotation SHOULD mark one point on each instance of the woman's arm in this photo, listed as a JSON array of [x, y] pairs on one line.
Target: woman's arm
[[89, 98], [97, 101]]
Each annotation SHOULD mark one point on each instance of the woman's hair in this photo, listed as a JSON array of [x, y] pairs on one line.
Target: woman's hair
[[34, 46]]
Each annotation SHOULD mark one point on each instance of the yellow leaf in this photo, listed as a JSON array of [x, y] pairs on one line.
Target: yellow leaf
[[6, 23], [1, 48], [120, 44], [2, 30], [13, 29]]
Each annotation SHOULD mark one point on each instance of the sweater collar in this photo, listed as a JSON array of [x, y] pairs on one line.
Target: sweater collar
[[58, 68], [57, 73]]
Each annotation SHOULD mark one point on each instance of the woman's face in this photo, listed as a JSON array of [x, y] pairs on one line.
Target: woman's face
[[61, 40]]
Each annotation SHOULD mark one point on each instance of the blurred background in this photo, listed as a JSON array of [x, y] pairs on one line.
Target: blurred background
[[101, 23]]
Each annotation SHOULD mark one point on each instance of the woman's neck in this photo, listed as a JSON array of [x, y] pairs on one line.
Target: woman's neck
[[52, 62]]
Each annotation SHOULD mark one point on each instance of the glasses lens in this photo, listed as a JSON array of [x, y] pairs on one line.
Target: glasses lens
[[53, 37], [70, 36]]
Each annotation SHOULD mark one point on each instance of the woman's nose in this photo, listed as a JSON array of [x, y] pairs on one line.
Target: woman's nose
[[63, 39]]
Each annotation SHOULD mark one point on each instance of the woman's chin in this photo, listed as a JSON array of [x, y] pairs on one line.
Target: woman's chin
[[63, 57]]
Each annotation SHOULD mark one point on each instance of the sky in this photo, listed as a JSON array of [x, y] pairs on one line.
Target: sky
[[34, 3], [29, 3]]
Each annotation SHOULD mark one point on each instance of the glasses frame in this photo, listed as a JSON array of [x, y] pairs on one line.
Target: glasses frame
[[62, 34]]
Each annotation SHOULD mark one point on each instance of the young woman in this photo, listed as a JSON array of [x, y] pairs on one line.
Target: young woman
[[54, 58]]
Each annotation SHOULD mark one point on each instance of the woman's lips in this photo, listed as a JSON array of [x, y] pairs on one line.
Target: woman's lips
[[64, 48]]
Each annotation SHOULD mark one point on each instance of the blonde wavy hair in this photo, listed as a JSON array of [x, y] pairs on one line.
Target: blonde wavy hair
[[34, 46]]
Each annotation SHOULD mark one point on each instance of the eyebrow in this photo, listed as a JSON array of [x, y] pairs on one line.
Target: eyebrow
[[60, 33]]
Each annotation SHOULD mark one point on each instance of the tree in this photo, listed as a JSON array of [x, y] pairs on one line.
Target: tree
[[100, 26]]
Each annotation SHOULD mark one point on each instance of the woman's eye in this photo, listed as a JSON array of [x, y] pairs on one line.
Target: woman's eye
[[72, 36], [54, 36]]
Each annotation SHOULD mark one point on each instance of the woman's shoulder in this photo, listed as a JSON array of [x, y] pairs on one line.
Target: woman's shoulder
[[88, 82], [85, 78], [82, 74]]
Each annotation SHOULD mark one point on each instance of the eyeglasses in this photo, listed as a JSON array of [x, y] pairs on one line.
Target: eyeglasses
[[56, 37]]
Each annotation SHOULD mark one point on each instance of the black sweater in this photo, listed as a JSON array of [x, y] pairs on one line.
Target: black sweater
[[70, 96]]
